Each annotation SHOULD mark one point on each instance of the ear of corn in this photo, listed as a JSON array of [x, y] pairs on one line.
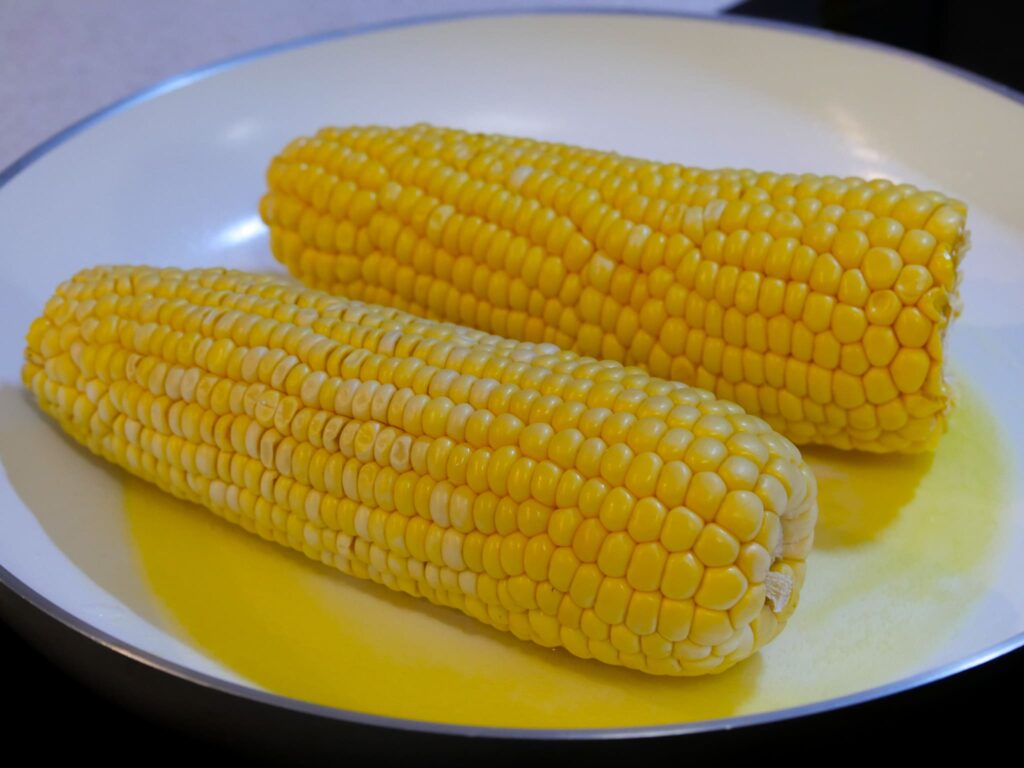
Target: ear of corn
[[573, 502], [818, 302]]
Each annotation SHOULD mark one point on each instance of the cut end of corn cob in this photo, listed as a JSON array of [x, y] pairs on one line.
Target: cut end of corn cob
[[818, 302], [572, 502]]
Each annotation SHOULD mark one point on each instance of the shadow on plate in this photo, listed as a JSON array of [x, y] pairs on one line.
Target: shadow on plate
[[300, 629], [303, 630], [75, 496], [860, 494]]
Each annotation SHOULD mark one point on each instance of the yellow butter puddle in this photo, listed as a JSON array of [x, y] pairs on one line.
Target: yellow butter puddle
[[902, 556]]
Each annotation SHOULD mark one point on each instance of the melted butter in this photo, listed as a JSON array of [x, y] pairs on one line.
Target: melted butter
[[904, 551]]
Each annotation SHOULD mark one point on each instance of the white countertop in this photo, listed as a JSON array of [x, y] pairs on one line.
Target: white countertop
[[61, 60]]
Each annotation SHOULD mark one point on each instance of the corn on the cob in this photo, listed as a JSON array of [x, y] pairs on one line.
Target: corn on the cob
[[817, 302], [572, 502]]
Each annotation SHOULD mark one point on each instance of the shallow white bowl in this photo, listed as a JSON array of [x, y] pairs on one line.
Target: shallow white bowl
[[173, 177]]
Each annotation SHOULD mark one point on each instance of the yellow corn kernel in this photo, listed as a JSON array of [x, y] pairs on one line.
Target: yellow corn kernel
[[716, 546], [684, 281], [721, 588], [612, 600], [646, 520], [741, 514], [646, 566], [674, 619], [565, 500]]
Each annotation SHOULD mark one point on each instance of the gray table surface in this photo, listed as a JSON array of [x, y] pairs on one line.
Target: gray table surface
[[61, 60]]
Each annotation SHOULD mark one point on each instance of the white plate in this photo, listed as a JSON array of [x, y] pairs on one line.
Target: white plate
[[914, 577]]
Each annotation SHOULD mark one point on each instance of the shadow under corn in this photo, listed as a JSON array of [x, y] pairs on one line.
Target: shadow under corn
[[250, 604], [79, 501], [860, 494], [75, 496]]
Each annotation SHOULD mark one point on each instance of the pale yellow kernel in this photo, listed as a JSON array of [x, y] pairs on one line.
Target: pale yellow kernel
[[647, 433], [715, 546], [883, 308], [615, 463], [585, 583], [590, 456], [710, 627], [721, 588], [884, 232], [754, 561], [913, 281], [596, 629], [534, 440], [749, 606], [564, 447], [612, 600], [738, 472], [946, 223], [504, 430], [562, 571], [853, 288], [614, 557], [570, 486], [770, 536], [817, 312], [848, 323], [849, 247], [826, 275], [881, 267], [673, 483], [673, 444], [675, 618], [593, 494], [705, 493], [682, 575], [641, 477], [544, 482], [537, 557], [705, 454], [910, 369], [624, 639], [646, 566], [680, 529], [879, 386], [587, 541], [917, 247], [741, 514], [912, 328], [892, 416], [646, 520], [691, 656], [880, 345]]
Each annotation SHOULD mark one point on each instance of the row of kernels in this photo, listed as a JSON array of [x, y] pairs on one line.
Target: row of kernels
[[882, 237], [883, 232], [719, 588], [379, 445], [492, 403], [220, 350], [850, 326], [438, 300], [293, 537], [239, 439], [298, 344], [439, 221], [736, 364], [877, 196]]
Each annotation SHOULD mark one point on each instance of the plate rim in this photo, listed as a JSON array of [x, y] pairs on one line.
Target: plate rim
[[37, 601]]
